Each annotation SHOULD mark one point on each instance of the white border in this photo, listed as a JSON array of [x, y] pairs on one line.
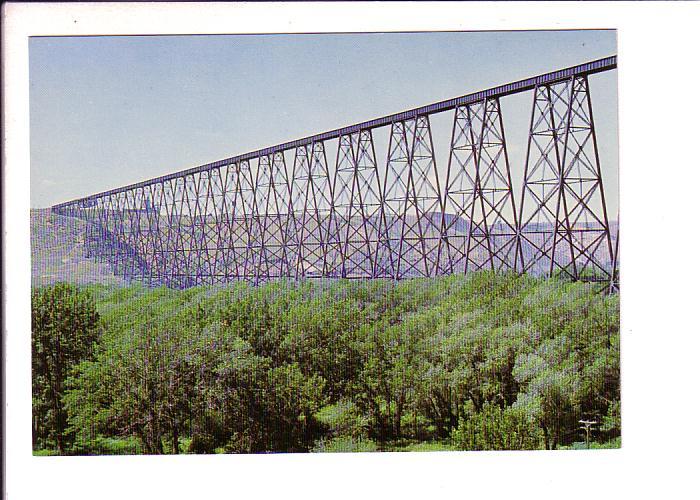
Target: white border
[[658, 75]]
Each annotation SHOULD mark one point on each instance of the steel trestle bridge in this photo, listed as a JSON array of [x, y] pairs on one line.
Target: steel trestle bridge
[[321, 206]]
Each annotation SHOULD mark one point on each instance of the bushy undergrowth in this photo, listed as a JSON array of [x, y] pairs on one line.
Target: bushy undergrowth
[[477, 362]]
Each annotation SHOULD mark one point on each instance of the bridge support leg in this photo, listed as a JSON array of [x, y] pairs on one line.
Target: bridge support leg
[[271, 217], [190, 234], [245, 243], [156, 221], [231, 234], [563, 217], [311, 203], [355, 220], [413, 204], [174, 254], [215, 228], [615, 276], [479, 228]]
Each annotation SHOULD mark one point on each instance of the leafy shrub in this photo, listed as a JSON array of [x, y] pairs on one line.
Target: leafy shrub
[[429, 446], [202, 444], [494, 428], [343, 419], [613, 444]]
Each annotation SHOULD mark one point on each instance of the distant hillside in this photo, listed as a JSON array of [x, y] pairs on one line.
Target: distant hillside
[[58, 252]]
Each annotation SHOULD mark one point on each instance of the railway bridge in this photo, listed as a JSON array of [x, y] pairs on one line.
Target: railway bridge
[[326, 206]]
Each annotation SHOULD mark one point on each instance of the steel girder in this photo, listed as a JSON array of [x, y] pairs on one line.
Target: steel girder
[[587, 68], [285, 213]]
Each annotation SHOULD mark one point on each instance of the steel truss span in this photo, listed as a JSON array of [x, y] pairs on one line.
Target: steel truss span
[[327, 206]]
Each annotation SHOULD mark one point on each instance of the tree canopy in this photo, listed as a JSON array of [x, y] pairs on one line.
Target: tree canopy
[[482, 361]]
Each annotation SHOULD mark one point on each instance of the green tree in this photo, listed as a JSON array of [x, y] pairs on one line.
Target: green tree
[[392, 375], [322, 338], [147, 383], [265, 408], [142, 381], [64, 328]]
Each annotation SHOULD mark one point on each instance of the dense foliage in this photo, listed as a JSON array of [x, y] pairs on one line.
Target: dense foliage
[[64, 329], [475, 362]]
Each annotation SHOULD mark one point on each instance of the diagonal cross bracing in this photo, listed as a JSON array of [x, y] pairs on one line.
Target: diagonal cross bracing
[[412, 203]]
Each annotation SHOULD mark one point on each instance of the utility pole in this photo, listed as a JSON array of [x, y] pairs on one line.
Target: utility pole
[[587, 427]]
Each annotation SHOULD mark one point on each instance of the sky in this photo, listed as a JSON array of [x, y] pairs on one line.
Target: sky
[[110, 111]]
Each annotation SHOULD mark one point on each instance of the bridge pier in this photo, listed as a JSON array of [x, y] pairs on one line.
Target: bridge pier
[[412, 202], [563, 217], [355, 226], [478, 194]]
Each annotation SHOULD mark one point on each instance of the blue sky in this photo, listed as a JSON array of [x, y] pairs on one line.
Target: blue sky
[[109, 111]]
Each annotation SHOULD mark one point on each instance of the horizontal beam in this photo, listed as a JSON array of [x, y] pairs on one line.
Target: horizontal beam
[[597, 66]]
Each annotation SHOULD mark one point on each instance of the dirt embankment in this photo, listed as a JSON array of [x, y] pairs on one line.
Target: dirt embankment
[[58, 253]]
